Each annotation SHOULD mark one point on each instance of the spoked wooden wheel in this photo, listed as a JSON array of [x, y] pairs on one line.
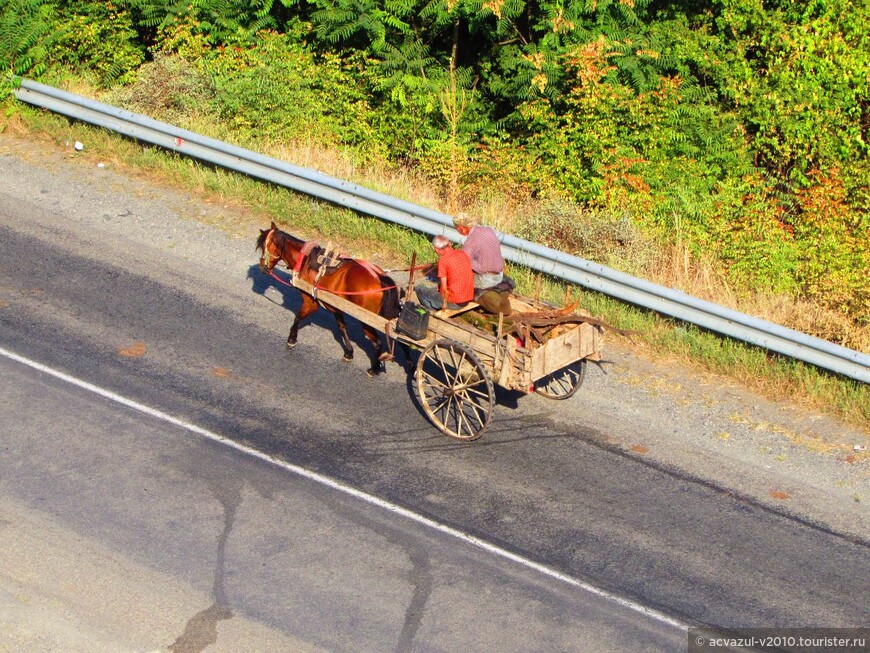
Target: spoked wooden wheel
[[455, 389], [563, 383]]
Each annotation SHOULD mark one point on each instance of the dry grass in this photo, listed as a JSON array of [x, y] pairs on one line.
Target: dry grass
[[675, 267], [398, 182]]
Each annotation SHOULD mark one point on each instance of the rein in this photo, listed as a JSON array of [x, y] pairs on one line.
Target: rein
[[411, 269], [280, 280], [334, 292]]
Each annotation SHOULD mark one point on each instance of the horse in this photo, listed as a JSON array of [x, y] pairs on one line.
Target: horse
[[358, 282]]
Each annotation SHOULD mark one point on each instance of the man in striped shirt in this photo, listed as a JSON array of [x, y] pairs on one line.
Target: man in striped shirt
[[483, 248]]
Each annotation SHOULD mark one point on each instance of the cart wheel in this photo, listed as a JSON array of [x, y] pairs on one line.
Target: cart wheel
[[563, 383], [455, 389]]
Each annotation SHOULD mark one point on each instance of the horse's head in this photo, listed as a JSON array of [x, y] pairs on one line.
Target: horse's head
[[270, 254]]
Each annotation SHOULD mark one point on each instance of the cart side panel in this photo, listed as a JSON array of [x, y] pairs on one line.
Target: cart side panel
[[597, 344], [509, 364], [582, 341], [482, 343]]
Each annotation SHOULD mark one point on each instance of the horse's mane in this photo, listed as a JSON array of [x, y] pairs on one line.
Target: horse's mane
[[261, 239]]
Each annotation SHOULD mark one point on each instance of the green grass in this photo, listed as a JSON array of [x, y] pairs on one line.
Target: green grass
[[254, 202]]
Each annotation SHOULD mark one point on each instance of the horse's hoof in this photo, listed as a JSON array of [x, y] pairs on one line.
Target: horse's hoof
[[347, 359], [372, 373], [290, 345]]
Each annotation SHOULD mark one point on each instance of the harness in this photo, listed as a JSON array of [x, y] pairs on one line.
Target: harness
[[326, 261], [323, 260]]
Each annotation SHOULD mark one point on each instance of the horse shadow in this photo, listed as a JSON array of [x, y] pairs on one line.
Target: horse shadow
[[261, 282]]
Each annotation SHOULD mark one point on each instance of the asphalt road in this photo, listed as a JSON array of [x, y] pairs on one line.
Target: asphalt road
[[180, 542], [191, 331]]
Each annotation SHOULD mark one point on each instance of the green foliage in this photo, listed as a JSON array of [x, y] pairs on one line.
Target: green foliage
[[358, 23], [800, 79], [752, 239], [94, 39], [27, 30], [276, 91], [216, 22], [408, 82], [836, 271], [97, 39], [419, 83], [605, 143]]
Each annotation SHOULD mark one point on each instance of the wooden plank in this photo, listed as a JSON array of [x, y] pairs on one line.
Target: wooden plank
[[522, 304], [507, 356], [346, 306], [462, 331], [517, 368], [451, 312], [597, 345], [439, 327], [557, 353]]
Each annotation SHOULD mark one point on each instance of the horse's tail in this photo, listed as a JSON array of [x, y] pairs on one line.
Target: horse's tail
[[390, 298]]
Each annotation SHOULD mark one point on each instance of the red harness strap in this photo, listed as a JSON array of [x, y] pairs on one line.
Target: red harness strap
[[373, 269], [333, 291], [303, 254]]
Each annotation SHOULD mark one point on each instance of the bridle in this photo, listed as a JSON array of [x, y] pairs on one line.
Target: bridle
[[268, 260]]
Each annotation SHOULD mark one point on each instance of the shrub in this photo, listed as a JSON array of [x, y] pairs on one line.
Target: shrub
[[834, 267], [27, 28], [278, 91], [597, 235], [98, 40], [170, 88]]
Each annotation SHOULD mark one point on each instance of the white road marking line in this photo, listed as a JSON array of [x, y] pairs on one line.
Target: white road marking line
[[358, 494]]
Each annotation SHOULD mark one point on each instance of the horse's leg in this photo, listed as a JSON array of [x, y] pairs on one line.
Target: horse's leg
[[377, 364], [346, 344], [309, 306]]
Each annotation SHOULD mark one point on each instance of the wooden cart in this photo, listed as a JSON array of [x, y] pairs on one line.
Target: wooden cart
[[460, 363]]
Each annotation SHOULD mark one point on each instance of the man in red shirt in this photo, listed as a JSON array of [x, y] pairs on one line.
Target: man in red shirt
[[455, 286]]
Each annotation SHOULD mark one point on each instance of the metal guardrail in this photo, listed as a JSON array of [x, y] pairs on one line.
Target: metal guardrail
[[667, 301]]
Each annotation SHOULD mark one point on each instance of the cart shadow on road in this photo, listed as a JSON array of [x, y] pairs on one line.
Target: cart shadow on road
[[503, 429], [427, 439]]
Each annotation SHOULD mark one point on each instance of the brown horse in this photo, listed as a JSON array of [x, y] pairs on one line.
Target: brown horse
[[353, 280]]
